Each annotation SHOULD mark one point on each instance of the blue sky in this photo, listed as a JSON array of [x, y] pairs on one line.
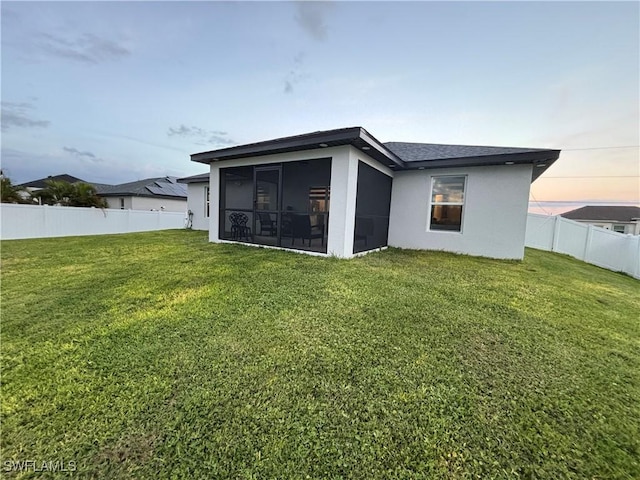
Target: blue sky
[[118, 91]]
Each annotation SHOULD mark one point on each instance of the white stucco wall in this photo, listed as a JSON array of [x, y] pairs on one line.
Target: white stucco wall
[[114, 202], [147, 203], [495, 211], [494, 214], [196, 203]]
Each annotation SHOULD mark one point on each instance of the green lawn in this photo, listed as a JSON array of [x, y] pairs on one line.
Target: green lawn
[[160, 355]]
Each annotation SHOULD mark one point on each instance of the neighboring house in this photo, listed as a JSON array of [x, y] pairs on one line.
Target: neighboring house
[[342, 192], [198, 200], [616, 218], [163, 193]]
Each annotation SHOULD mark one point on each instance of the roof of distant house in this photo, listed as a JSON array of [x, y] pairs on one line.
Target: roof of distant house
[[395, 155], [200, 178], [40, 183], [149, 187], [164, 187], [604, 212]]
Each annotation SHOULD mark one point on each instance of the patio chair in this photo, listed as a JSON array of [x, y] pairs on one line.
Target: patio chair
[[239, 228], [301, 228], [267, 224]]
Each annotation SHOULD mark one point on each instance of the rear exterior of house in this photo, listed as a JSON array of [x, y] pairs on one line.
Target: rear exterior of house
[[342, 192]]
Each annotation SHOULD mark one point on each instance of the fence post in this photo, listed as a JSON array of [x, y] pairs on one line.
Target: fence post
[[587, 244], [556, 233], [45, 215]]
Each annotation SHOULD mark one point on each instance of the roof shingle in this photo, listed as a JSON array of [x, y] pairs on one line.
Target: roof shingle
[[604, 212], [420, 152]]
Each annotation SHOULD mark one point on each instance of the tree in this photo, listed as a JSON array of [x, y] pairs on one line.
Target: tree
[[56, 192], [85, 195], [9, 192], [70, 194]]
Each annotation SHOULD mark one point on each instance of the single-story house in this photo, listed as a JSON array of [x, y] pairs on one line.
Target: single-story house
[[621, 219], [160, 193], [342, 192], [163, 193]]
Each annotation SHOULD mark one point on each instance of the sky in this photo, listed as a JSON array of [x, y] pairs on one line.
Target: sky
[[112, 92]]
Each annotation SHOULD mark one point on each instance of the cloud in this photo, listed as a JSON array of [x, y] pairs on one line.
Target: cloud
[[86, 48], [211, 137], [19, 115], [82, 155], [311, 16], [288, 86], [22, 166], [295, 75]]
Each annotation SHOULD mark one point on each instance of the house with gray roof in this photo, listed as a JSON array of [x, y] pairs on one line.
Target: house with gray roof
[[343, 193], [158, 193], [161, 193], [617, 218]]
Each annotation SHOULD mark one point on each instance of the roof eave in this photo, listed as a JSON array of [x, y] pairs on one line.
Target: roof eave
[[280, 145], [150, 195], [541, 160], [199, 179], [358, 137]]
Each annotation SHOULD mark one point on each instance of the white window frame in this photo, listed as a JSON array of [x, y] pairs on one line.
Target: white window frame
[[461, 204], [207, 202], [618, 225]]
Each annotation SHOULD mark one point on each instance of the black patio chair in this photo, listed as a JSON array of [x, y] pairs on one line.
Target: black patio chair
[[239, 228], [267, 224], [301, 228]]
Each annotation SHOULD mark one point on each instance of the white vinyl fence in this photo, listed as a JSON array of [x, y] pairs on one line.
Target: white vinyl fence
[[40, 221], [601, 247]]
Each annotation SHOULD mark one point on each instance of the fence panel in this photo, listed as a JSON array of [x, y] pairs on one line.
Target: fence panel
[[609, 249], [601, 247], [540, 230], [572, 238], [40, 221]]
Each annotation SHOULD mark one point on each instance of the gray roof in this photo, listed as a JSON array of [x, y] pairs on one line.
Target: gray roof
[[419, 152], [200, 178], [40, 183], [603, 213], [149, 187], [395, 155]]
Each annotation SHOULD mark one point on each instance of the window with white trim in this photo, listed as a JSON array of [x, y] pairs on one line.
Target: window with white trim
[[206, 202], [447, 203], [618, 228]]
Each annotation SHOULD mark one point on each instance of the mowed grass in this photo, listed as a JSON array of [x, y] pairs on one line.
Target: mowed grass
[[160, 355]]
